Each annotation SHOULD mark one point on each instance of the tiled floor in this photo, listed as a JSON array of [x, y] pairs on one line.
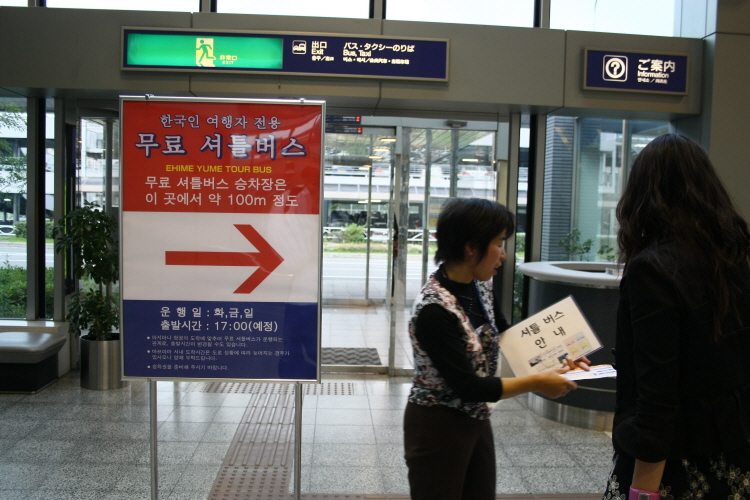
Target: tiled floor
[[71, 443]]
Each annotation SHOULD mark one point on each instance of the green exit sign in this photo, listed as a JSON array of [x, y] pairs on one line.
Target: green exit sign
[[166, 50], [287, 53]]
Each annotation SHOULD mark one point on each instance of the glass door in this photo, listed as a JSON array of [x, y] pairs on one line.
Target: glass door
[[442, 164], [357, 216], [358, 213]]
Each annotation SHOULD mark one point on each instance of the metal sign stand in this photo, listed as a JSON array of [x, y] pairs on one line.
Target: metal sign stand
[[297, 440], [154, 441]]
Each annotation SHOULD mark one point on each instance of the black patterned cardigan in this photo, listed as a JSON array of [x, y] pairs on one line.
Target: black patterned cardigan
[[429, 387]]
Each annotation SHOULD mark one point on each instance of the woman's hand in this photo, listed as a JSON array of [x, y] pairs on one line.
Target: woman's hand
[[552, 384], [647, 476], [582, 363]]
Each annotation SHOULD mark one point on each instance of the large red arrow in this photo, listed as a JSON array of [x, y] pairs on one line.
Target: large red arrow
[[266, 258]]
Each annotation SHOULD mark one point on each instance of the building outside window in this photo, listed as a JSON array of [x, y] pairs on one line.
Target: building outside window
[[587, 164]]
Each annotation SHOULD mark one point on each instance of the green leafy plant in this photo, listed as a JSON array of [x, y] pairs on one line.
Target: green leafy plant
[[607, 252], [574, 248], [87, 234], [13, 290], [20, 229], [353, 233]]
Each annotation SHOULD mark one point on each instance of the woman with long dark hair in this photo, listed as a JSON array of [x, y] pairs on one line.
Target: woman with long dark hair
[[682, 418]]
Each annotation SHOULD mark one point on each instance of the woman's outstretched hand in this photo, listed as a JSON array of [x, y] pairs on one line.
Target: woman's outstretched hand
[[552, 384]]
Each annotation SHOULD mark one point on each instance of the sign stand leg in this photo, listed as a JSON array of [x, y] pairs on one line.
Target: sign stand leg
[[297, 440], [153, 425]]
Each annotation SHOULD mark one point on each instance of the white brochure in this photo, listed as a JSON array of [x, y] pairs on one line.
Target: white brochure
[[545, 339]]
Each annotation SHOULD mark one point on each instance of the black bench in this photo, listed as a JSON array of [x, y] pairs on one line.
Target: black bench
[[28, 360]]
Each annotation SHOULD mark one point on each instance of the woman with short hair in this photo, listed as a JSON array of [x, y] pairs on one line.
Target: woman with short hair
[[454, 331]]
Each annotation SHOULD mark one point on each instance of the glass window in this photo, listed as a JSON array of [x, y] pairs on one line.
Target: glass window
[[358, 211], [92, 161], [13, 190], [486, 12], [152, 5], [13, 197], [358, 9], [475, 172], [522, 205], [116, 163], [14, 3], [635, 17], [587, 163]]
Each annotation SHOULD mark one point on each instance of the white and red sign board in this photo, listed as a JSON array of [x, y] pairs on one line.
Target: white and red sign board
[[221, 238]]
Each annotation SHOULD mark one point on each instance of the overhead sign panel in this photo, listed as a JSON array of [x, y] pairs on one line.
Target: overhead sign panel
[[221, 245], [635, 72], [323, 54]]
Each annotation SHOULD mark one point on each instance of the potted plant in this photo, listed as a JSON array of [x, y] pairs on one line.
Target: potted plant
[[87, 234]]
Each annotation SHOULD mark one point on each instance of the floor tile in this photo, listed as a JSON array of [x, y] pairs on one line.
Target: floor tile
[[344, 455], [344, 434], [71, 443]]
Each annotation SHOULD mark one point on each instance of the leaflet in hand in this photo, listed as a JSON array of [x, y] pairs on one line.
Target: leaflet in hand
[[598, 371], [545, 339]]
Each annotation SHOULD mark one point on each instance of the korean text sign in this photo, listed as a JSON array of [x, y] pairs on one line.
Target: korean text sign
[[546, 338], [221, 244]]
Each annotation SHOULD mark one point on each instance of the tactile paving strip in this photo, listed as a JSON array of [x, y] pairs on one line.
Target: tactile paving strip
[[258, 464], [312, 389]]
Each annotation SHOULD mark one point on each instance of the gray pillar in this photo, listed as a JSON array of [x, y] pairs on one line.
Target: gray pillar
[[207, 5], [377, 9]]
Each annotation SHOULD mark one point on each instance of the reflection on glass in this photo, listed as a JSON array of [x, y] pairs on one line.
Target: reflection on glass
[[116, 163], [150, 5], [439, 162], [476, 174], [12, 189], [358, 9], [356, 207], [486, 12], [635, 17], [521, 210], [92, 161], [443, 164], [588, 159]]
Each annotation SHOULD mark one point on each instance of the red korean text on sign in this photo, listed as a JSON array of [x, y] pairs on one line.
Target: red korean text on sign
[[221, 157]]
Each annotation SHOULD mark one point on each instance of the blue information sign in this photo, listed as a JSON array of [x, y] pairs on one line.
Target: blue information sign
[[240, 340], [367, 56], [636, 72]]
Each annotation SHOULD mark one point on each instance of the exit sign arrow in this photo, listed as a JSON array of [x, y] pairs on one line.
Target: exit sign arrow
[[266, 258]]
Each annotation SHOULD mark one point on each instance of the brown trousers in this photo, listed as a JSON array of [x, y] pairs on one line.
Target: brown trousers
[[450, 455]]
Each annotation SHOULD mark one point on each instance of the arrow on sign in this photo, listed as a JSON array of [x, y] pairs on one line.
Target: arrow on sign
[[266, 258]]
